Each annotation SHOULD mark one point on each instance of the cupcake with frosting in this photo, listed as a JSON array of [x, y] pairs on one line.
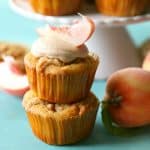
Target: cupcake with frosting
[[55, 7], [61, 124], [60, 68]]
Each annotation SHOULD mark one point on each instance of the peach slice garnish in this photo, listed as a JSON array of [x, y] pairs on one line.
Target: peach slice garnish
[[12, 83], [77, 33]]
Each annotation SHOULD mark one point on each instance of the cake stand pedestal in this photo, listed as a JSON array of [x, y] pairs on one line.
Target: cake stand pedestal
[[110, 41], [115, 48]]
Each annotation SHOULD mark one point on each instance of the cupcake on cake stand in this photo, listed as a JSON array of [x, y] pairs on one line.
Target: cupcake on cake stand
[[110, 41]]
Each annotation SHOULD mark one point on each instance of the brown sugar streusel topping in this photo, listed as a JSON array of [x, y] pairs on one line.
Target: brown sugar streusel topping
[[33, 104]]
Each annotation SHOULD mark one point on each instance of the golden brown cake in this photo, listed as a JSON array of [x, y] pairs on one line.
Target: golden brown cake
[[61, 124], [60, 68], [55, 7], [122, 7], [58, 82]]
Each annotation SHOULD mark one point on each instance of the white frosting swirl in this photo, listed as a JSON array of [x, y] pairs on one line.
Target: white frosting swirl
[[54, 46]]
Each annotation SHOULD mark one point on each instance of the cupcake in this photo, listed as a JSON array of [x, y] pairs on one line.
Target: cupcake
[[122, 7], [58, 70], [55, 7], [13, 54], [61, 124]]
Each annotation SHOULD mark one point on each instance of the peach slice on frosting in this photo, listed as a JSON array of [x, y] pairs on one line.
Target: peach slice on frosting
[[77, 33]]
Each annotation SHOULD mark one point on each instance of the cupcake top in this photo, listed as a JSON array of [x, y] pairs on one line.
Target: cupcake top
[[65, 43], [35, 105], [55, 66], [54, 46]]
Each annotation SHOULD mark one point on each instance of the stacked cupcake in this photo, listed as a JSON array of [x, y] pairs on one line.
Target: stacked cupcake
[[60, 69]]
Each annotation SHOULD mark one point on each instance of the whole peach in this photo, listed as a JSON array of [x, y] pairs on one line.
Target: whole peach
[[128, 95]]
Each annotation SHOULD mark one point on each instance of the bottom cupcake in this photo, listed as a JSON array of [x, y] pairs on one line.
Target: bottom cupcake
[[61, 124]]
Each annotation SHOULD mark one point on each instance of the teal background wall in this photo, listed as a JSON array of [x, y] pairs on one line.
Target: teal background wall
[[140, 32]]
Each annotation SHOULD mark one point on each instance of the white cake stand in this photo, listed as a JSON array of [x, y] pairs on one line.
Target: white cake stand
[[110, 41]]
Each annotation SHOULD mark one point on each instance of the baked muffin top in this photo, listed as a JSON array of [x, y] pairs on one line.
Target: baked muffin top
[[61, 49], [35, 105], [51, 65]]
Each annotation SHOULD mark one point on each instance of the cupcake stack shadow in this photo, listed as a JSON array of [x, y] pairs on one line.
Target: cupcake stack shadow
[[59, 106]]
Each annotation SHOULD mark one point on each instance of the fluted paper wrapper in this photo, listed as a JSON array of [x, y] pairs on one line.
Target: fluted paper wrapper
[[63, 131], [122, 7], [61, 88], [55, 7]]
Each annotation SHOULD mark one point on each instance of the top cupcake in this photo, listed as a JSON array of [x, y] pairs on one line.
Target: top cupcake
[[65, 43], [60, 68]]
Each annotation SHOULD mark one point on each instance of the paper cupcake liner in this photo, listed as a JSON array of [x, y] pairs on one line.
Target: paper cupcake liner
[[55, 7], [62, 88], [122, 7], [59, 131]]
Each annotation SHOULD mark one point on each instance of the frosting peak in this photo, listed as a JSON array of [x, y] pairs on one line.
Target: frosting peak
[[54, 46]]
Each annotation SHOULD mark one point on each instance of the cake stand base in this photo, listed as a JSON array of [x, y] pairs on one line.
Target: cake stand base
[[115, 48]]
